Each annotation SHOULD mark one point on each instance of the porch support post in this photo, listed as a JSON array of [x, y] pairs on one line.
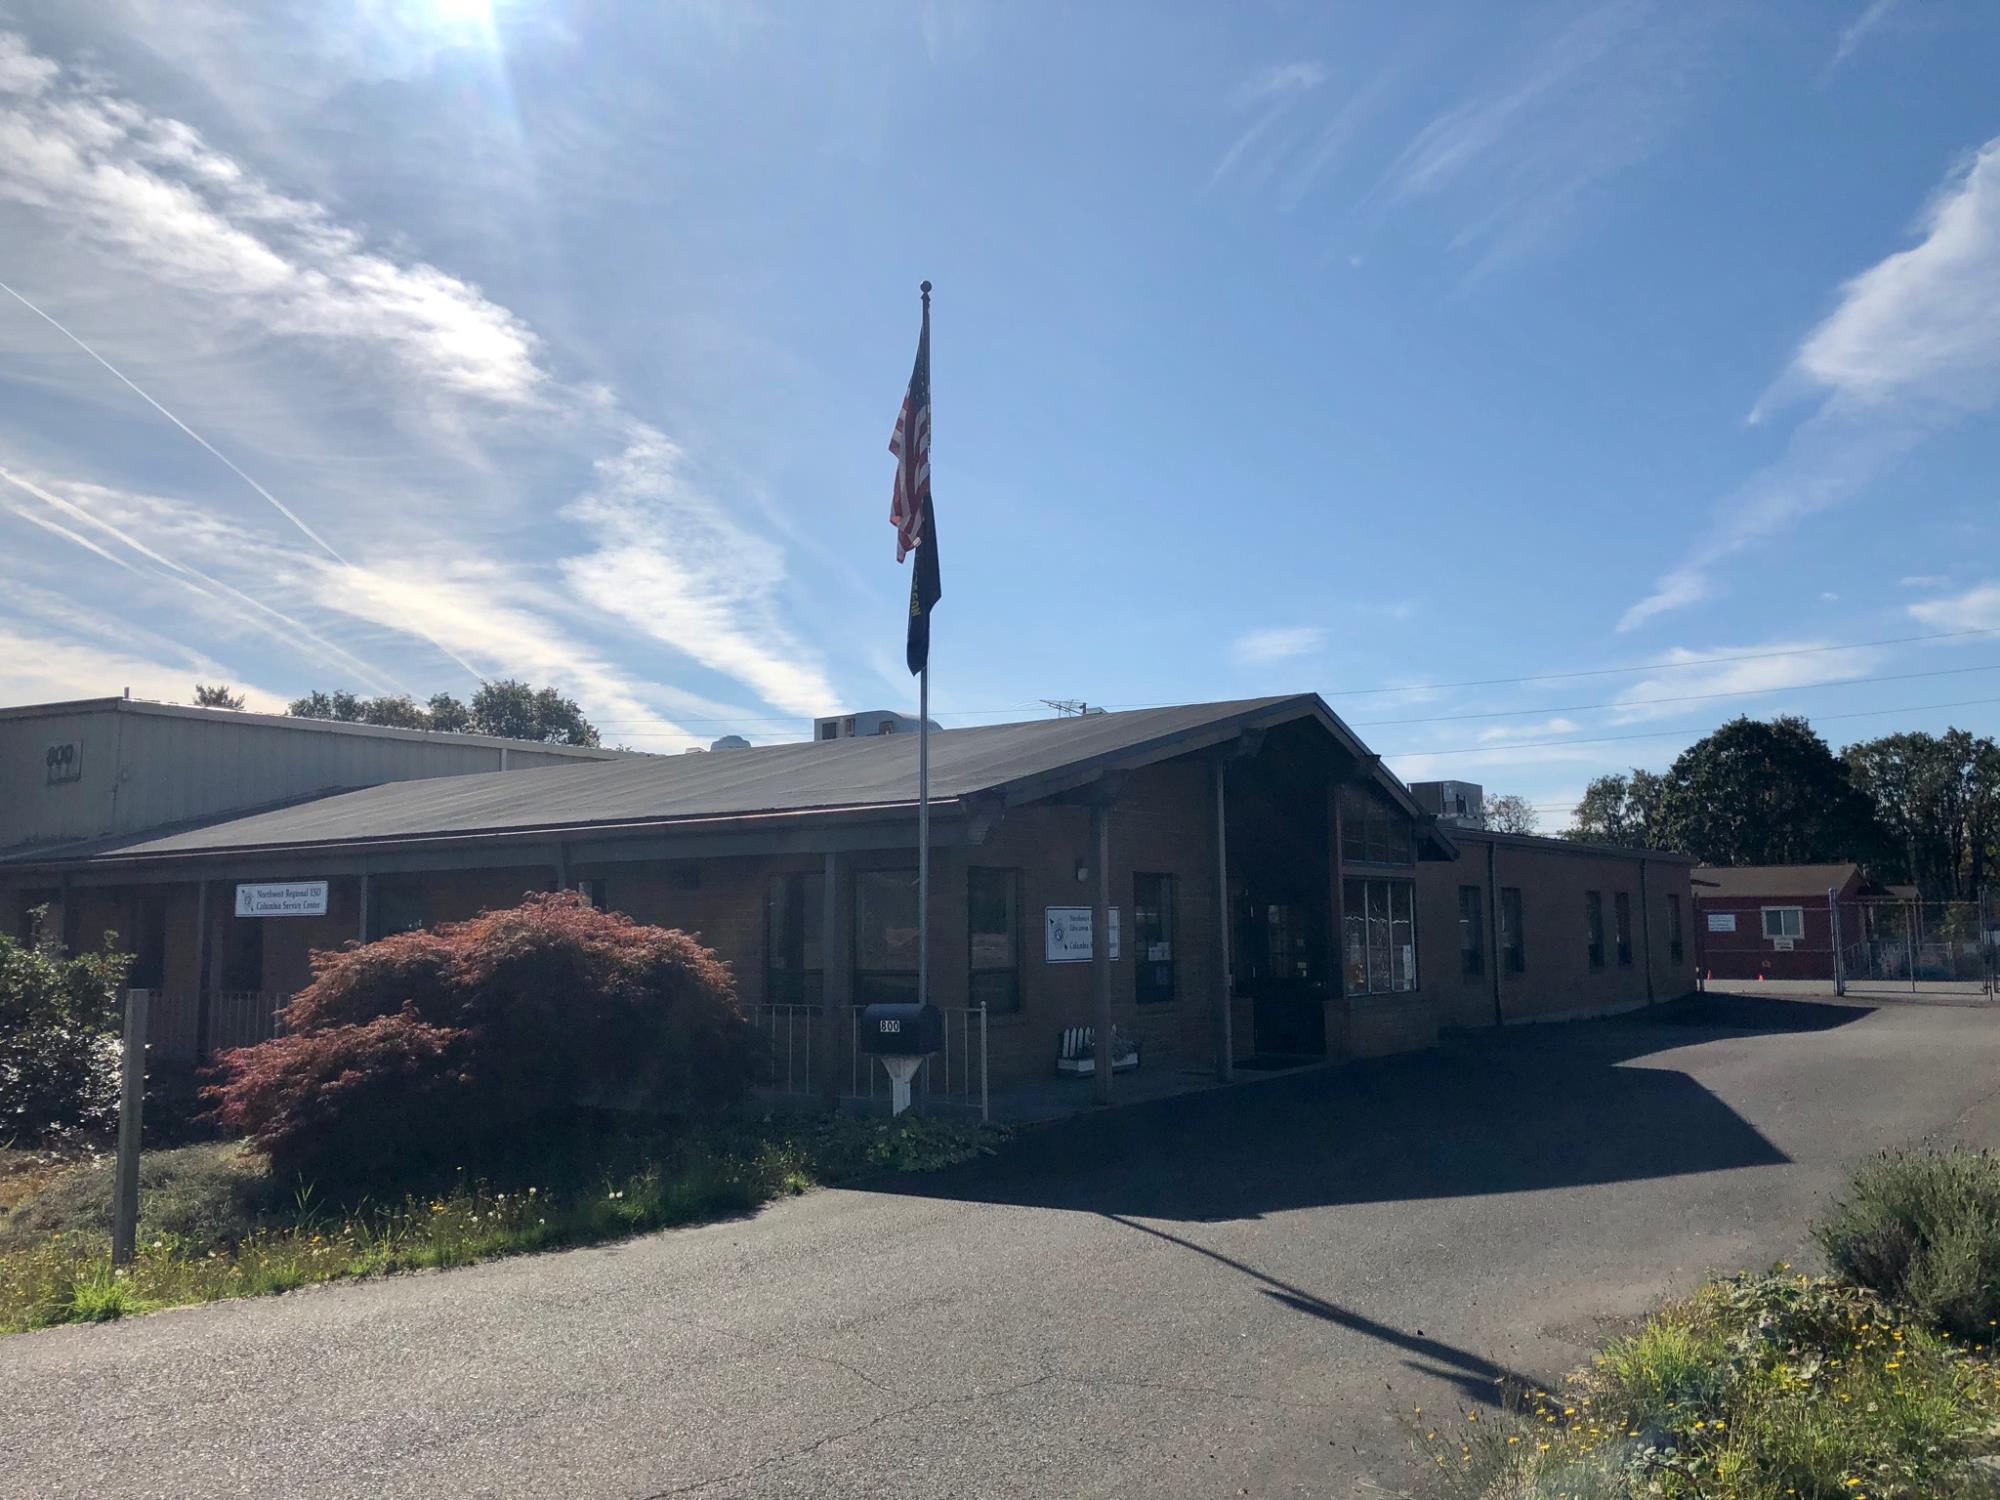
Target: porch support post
[[364, 903], [1225, 1043], [204, 960], [836, 1048], [1100, 946], [1646, 926]]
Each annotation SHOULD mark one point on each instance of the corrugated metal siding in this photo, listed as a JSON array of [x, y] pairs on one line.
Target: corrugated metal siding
[[32, 809], [150, 769]]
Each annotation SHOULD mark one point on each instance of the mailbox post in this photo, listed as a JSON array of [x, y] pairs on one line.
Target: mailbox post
[[902, 1036]]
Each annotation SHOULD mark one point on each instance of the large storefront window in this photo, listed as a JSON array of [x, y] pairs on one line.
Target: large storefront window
[[1372, 831], [794, 960], [1153, 937], [885, 936], [993, 916], [1380, 937]]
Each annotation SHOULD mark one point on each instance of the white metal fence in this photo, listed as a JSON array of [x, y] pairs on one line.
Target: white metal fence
[[955, 1076], [236, 1018]]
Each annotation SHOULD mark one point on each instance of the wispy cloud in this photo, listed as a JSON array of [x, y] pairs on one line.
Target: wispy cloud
[[1500, 734], [155, 249], [152, 192], [1977, 608], [1857, 31], [1258, 648], [1912, 345], [1268, 97], [1666, 695], [671, 563], [1576, 107]]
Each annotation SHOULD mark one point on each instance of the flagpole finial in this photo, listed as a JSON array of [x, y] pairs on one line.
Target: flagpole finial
[[925, 288]]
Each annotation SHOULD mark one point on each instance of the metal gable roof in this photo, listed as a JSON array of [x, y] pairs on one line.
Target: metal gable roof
[[1015, 762]]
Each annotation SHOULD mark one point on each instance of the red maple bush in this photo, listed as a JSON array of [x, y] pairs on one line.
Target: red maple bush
[[442, 1042]]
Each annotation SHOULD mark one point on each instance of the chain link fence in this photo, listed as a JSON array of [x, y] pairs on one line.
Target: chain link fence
[[1888, 943]]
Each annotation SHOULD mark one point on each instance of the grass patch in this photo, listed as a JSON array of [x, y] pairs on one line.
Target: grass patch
[[214, 1224], [1772, 1387]]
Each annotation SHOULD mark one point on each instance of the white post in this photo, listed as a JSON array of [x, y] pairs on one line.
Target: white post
[[924, 830], [125, 1187], [984, 1114]]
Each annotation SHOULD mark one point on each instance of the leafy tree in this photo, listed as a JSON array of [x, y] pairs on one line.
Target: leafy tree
[[1937, 798], [1509, 814], [425, 1048], [515, 711], [218, 696], [1619, 810], [1755, 793], [339, 705], [507, 709], [58, 1037], [397, 713], [448, 715]]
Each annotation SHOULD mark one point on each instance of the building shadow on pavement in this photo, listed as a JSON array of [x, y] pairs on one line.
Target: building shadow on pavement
[[1522, 1110]]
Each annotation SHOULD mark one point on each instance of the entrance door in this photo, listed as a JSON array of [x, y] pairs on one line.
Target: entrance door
[[1282, 950]]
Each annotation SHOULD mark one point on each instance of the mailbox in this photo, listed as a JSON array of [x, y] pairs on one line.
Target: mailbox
[[902, 1030]]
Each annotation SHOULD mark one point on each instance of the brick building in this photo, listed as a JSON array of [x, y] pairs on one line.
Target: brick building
[[1272, 890], [1775, 921]]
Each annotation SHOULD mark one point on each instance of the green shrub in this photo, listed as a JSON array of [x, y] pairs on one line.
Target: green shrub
[[431, 1048], [59, 1050], [1923, 1229]]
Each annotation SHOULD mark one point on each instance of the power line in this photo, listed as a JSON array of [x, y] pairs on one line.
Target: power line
[[1431, 687], [1763, 692], [1666, 734]]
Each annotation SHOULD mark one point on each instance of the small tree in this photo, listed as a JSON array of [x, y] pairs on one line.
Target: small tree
[[435, 1045], [58, 1037], [218, 696], [1619, 810], [1509, 814]]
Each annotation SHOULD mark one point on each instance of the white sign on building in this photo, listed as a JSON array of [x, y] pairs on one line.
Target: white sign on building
[[1722, 921], [282, 898], [1066, 935]]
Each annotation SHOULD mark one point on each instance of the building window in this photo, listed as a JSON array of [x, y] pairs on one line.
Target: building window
[[1513, 945], [829, 730], [794, 961], [1372, 831], [148, 970], [885, 936], [1673, 927], [1379, 937], [1471, 933], [1621, 927], [993, 917], [394, 907], [1784, 922], [1153, 938], [1593, 923], [243, 955]]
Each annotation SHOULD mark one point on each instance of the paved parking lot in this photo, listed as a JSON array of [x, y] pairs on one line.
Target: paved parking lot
[[1230, 1293]]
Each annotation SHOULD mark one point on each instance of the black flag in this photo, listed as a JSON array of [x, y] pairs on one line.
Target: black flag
[[910, 511]]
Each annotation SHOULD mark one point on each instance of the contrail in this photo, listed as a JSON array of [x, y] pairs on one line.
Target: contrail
[[283, 509], [189, 577], [222, 458]]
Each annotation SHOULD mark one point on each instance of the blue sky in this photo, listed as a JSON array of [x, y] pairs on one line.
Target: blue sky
[[1283, 347]]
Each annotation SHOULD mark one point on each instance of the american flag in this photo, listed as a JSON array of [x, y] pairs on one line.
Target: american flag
[[910, 511], [911, 443]]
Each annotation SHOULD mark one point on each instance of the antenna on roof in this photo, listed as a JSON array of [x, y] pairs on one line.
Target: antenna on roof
[[1071, 708]]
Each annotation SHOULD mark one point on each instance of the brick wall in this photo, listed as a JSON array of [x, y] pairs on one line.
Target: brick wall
[[1557, 979]]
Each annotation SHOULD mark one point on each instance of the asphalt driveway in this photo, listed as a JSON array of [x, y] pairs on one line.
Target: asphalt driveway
[[1223, 1294]]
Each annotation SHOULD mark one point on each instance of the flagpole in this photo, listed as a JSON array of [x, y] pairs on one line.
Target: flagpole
[[924, 788]]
